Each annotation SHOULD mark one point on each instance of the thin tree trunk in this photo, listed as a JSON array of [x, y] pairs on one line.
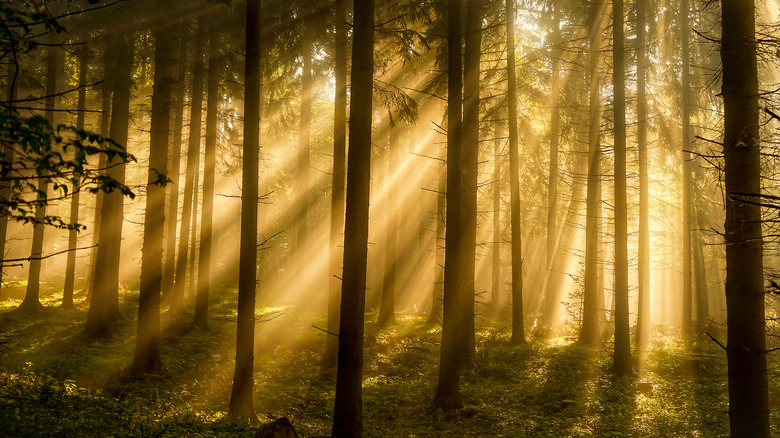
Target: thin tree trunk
[[496, 247], [242, 395], [169, 268], [687, 180], [303, 181], [8, 150], [193, 157], [550, 294], [70, 264], [347, 413], [209, 164], [438, 283], [330, 357], [593, 301], [643, 291], [746, 348], [518, 330], [387, 306], [147, 357]]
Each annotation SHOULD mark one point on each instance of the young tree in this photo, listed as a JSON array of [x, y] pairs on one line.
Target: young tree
[[387, 305], [347, 412], [242, 395], [687, 176], [746, 348], [643, 249]]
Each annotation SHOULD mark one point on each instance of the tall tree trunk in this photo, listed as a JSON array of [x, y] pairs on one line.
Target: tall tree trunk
[[592, 299], [622, 365], [209, 163], [8, 150], [469, 167], [453, 326], [347, 413], [31, 303], [303, 180], [643, 256], [70, 264], [242, 395], [687, 180], [193, 157], [147, 357], [495, 288], [104, 305], [330, 357], [169, 268], [550, 294], [746, 348], [387, 306], [106, 91], [700, 275], [518, 331]]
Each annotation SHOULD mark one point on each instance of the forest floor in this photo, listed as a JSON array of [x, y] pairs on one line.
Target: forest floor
[[53, 382]]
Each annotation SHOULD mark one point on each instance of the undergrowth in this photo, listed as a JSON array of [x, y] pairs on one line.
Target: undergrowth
[[53, 382]]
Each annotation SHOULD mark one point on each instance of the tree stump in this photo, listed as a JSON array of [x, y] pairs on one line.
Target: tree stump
[[279, 428]]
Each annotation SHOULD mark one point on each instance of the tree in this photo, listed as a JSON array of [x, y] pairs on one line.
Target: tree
[[193, 156], [330, 357], [746, 347], [622, 365], [104, 305], [687, 173], [242, 395], [209, 163], [70, 266], [146, 358], [643, 249], [387, 306], [347, 412], [518, 331], [592, 299]]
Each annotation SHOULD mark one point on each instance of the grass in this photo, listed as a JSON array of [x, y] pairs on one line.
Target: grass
[[55, 383]]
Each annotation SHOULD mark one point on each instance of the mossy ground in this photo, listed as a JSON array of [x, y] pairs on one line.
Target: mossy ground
[[54, 382]]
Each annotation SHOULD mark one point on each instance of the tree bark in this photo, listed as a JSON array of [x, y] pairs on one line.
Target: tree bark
[[643, 256], [209, 164], [242, 395], [147, 357], [518, 330], [746, 348], [104, 305], [687, 180], [330, 357], [347, 414], [387, 305], [193, 158]]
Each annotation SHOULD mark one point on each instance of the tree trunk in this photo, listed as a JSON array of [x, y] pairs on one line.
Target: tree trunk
[[687, 180], [330, 357], [70, 264], [453, 326], [643, 256], [622, 365], [193, 157], [347, 414], [469, 168], [104, 306], [518, 331], [746, 351], [242, 395], [303, 181], [387, 306], [592, 298], [173, 171], [6, 189], [496, 247], [147, 357], [209, 163]]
